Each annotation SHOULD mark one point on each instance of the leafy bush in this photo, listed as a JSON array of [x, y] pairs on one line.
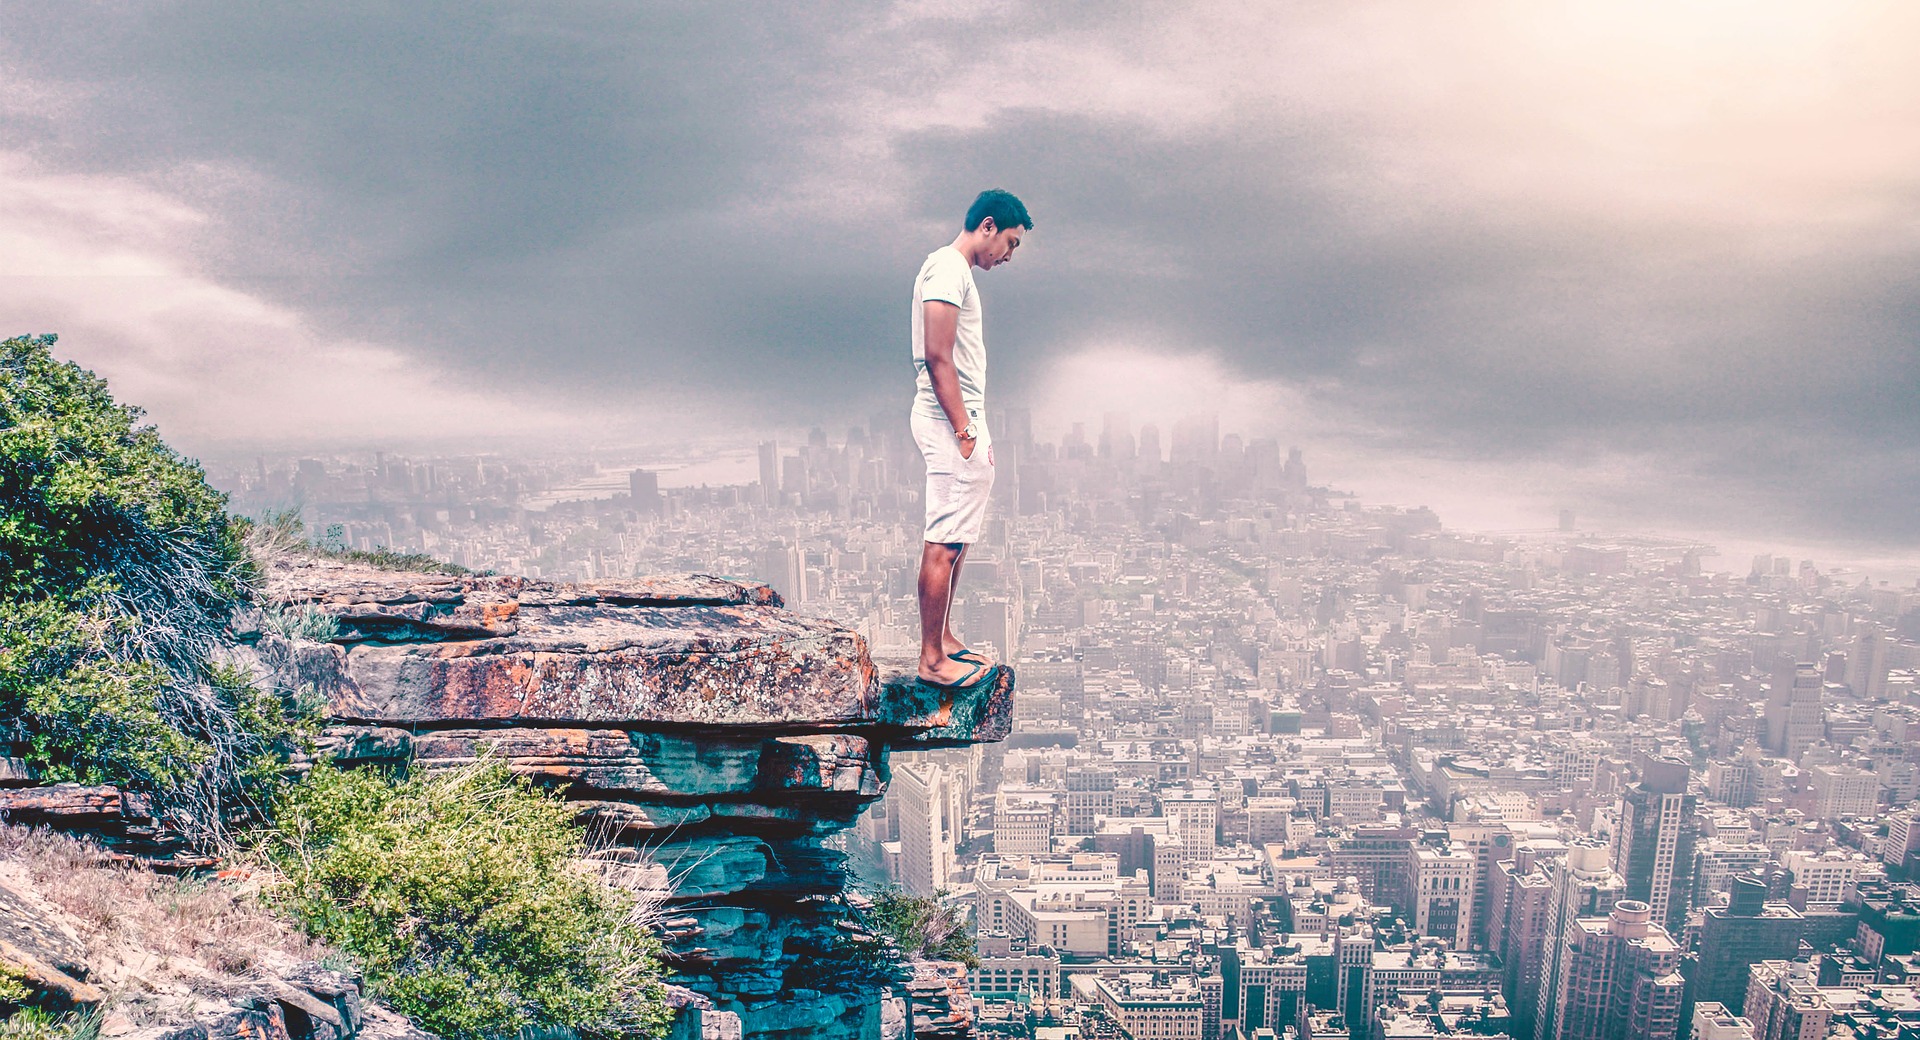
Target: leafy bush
[[462, 896], [925, 927], [118, 570]]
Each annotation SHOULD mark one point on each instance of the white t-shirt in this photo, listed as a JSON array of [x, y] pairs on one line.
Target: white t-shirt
[[948, 276]]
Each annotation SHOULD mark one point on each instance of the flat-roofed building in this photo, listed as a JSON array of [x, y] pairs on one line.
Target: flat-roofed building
[[1146, 1005]]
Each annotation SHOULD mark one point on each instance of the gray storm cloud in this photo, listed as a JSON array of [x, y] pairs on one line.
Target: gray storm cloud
[[1681, 234]]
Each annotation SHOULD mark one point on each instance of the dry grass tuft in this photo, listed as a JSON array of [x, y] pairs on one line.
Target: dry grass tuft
[[159, 945]]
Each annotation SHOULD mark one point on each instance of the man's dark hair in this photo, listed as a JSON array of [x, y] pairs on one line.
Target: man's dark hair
[[1003, 206]]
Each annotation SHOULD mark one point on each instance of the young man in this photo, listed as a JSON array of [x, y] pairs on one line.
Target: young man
[[950, 421]]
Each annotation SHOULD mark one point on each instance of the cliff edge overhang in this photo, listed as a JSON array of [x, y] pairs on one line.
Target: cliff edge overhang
[[715, 741]]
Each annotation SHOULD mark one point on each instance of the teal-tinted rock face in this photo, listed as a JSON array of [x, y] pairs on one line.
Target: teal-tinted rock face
[[713, 739]]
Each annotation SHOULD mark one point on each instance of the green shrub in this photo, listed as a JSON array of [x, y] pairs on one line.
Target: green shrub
[[462, 897], [119, 568], [926, 927]]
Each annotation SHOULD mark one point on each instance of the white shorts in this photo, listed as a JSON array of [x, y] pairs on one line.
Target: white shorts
[[957, 488]]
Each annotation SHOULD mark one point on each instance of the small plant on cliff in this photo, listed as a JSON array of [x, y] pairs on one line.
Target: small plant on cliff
[[462, 896], [283, 533], [119, 568], [34, 1024], [923, 927]]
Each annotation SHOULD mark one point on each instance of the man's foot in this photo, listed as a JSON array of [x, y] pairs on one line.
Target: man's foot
[[958, 651], [952, 674]]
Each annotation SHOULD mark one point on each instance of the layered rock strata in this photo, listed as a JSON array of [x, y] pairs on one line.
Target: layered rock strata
[[716, 741]]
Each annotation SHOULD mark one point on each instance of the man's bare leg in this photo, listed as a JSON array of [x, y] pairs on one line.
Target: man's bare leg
[[938, 566], [951, 642]]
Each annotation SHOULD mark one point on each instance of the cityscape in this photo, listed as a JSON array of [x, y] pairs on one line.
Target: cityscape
[[1290, 764]]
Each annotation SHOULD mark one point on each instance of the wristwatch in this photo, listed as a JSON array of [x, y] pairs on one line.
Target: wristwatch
[[967, 434]]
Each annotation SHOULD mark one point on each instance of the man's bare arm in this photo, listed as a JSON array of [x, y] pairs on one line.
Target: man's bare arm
[[940, 321]]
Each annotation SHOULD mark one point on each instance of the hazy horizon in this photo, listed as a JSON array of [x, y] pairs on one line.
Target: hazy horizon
[[1648, 262]]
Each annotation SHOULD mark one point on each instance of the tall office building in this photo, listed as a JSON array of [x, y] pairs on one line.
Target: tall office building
[[1617, 978], [1196, 439], [1443, 894], [784, 567], [1196, 813], [1654, 848], [929, 829], [1584, 886], [770, 472], [1785, 1002], [1381, 858], [1150, 444], [1521, 898], [1868, 663], [1793, 715], [1746, 931], [644, 488], [1116, 437]]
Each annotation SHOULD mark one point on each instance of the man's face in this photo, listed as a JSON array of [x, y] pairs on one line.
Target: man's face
[[999, 245]]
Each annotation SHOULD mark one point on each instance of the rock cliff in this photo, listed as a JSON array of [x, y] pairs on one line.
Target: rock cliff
[[716, 742]]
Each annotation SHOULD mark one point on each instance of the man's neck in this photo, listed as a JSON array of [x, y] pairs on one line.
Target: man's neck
[[968, 245]]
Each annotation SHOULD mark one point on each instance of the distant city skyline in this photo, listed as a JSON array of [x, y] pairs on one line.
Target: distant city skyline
[[1650, 261]]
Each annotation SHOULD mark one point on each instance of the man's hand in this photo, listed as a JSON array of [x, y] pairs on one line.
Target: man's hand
[[940, 322]]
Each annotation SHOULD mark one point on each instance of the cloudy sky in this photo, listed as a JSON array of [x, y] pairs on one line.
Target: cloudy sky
[[1657, 261]]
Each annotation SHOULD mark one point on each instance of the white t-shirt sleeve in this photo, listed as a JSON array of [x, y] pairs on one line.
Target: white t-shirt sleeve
[[945, 279]]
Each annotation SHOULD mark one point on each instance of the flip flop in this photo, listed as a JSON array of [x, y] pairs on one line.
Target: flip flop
[[967, 655], [971, 679]]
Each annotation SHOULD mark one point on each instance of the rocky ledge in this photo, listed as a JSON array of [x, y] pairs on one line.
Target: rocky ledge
[[718, 742]]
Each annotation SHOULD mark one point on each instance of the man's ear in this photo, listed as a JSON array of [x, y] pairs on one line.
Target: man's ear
[[988, 227]]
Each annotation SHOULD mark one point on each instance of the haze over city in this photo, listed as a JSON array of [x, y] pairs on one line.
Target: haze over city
[[1651, 262], [1437, 556]]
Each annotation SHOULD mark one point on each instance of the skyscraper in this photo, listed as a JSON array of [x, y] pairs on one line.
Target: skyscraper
[[1794, 718], [1381, 858], [1617, 978], [1196, 439], [928, 831], [1150, 444], [1116, 437], [644, 488], [1522, 907], [1745, 932], [770, 472], [1443, 894], [1584, 886], [1654, 848]]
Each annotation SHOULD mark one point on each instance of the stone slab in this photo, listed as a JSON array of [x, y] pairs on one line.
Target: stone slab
[[605, 760], [302, 579], [360, 745], [840, 762], [692, 869], [937, 717], [737, 665], [59, 802], [626, 820]]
